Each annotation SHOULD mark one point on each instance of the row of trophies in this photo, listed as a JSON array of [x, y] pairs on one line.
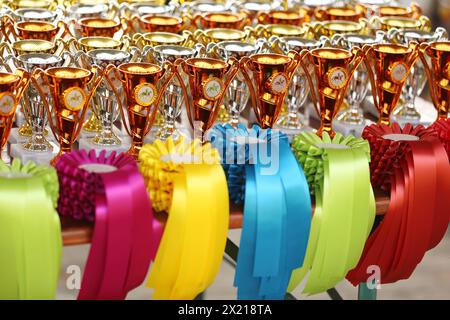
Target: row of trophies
[[131, 60]]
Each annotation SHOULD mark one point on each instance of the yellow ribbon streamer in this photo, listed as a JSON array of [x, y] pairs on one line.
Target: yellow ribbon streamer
[[187, 181]]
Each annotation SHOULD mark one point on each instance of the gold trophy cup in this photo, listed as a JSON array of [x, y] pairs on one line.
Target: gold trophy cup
[[162, 23], [208, 79], [227, 20], [290, 17], [435, 57], [268, 76], [144, 85], [339, 13], [333, 69], [12, 87], [71, 92], [388, 66]]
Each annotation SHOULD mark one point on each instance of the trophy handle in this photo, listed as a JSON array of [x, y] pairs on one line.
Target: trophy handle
[[146, 50], [25, 79], [375, 22], [196, 21], [440, 34], [394, 35], [296, 58], [73, 41], [317, 30], [168, 67], [304, 54], [233, 68], [262, 17], [211, 50], [97, 76], [68, 24], [126, 42], [320, 13], [365, 25], [5, 62], [61, 45], [200, 36], [114, 10], [126, 25], [413, 56], [277, 45], [189, 39], [358, 56], [416, 9], [200, 50], [8, 27], [367, 50], [112, 68], [246, 18], [76, 57], [38, 72], [338, 40], [245, 65], [181, 62], [257, 32], [425, 23], [423, 48], [137, 39], [62, 30]]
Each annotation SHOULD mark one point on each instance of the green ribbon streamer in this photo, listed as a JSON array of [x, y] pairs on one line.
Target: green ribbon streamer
[[337, 171], [30, 231]]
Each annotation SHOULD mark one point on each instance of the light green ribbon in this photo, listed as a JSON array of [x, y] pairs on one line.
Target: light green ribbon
[[30, 231], [337, 171]]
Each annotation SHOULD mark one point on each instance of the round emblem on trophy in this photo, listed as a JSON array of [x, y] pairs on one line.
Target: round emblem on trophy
[[145, 94], [277, 83], [399, 71], [212, 88], [7, 102], [337, 77], [74, 98]]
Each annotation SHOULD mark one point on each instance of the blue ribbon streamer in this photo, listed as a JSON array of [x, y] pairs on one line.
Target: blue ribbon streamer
[[277, 209]]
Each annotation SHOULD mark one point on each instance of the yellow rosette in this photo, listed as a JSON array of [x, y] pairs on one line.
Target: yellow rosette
[[187, 181]]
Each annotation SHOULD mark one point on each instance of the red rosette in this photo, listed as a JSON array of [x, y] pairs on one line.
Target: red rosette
[[442, 128], [110, 191], [417, 175]]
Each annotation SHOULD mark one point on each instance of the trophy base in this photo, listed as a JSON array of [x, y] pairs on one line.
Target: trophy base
[[17, 151], [91, 134], [87, 144], [16, 137], [346, 128]]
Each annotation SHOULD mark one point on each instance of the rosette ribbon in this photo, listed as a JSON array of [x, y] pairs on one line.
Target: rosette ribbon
[[277, 208], [186, 181], [413, 165], [30, 231], [110, 191], [338, 174]]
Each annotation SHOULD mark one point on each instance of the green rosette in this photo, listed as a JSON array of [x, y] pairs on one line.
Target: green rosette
[[30, 231], [337, 171]]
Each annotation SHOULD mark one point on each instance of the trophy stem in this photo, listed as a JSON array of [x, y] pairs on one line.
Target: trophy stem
[[385, 118], [136, 146], [65, 147], [92, 124], [443, 113]]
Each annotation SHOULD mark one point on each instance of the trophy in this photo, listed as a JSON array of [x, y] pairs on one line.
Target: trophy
[[207, 80], [328, 80], [12, 87], [386, 23], [224, 20], [351, 120], [86, 44], [35, 14], [27, 46], [388, 67], [288, 17], [143, 85], [298, 89], [104, 105], [172, 101], [330, 28], [415, 83], [339, 13], [435, 57], [413, 11], [254, 7], [268, 76], [237, 93], [71, 90], [219, 34], [37, 4], [145, 8], [91, 9], [162, 23], [161, 38], [40, 30], [32, 104], [201, 6], [281, 30]]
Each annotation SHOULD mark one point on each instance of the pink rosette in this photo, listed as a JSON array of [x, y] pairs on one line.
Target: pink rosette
[[110, 191]]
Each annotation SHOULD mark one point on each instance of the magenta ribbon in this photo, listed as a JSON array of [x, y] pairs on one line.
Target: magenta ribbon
[[125, 237]]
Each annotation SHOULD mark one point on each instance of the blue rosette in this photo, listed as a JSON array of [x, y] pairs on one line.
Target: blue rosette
[[263, 173]]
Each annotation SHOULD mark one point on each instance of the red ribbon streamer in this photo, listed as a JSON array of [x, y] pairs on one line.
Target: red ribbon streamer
[[125, 234], [418, 176]]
